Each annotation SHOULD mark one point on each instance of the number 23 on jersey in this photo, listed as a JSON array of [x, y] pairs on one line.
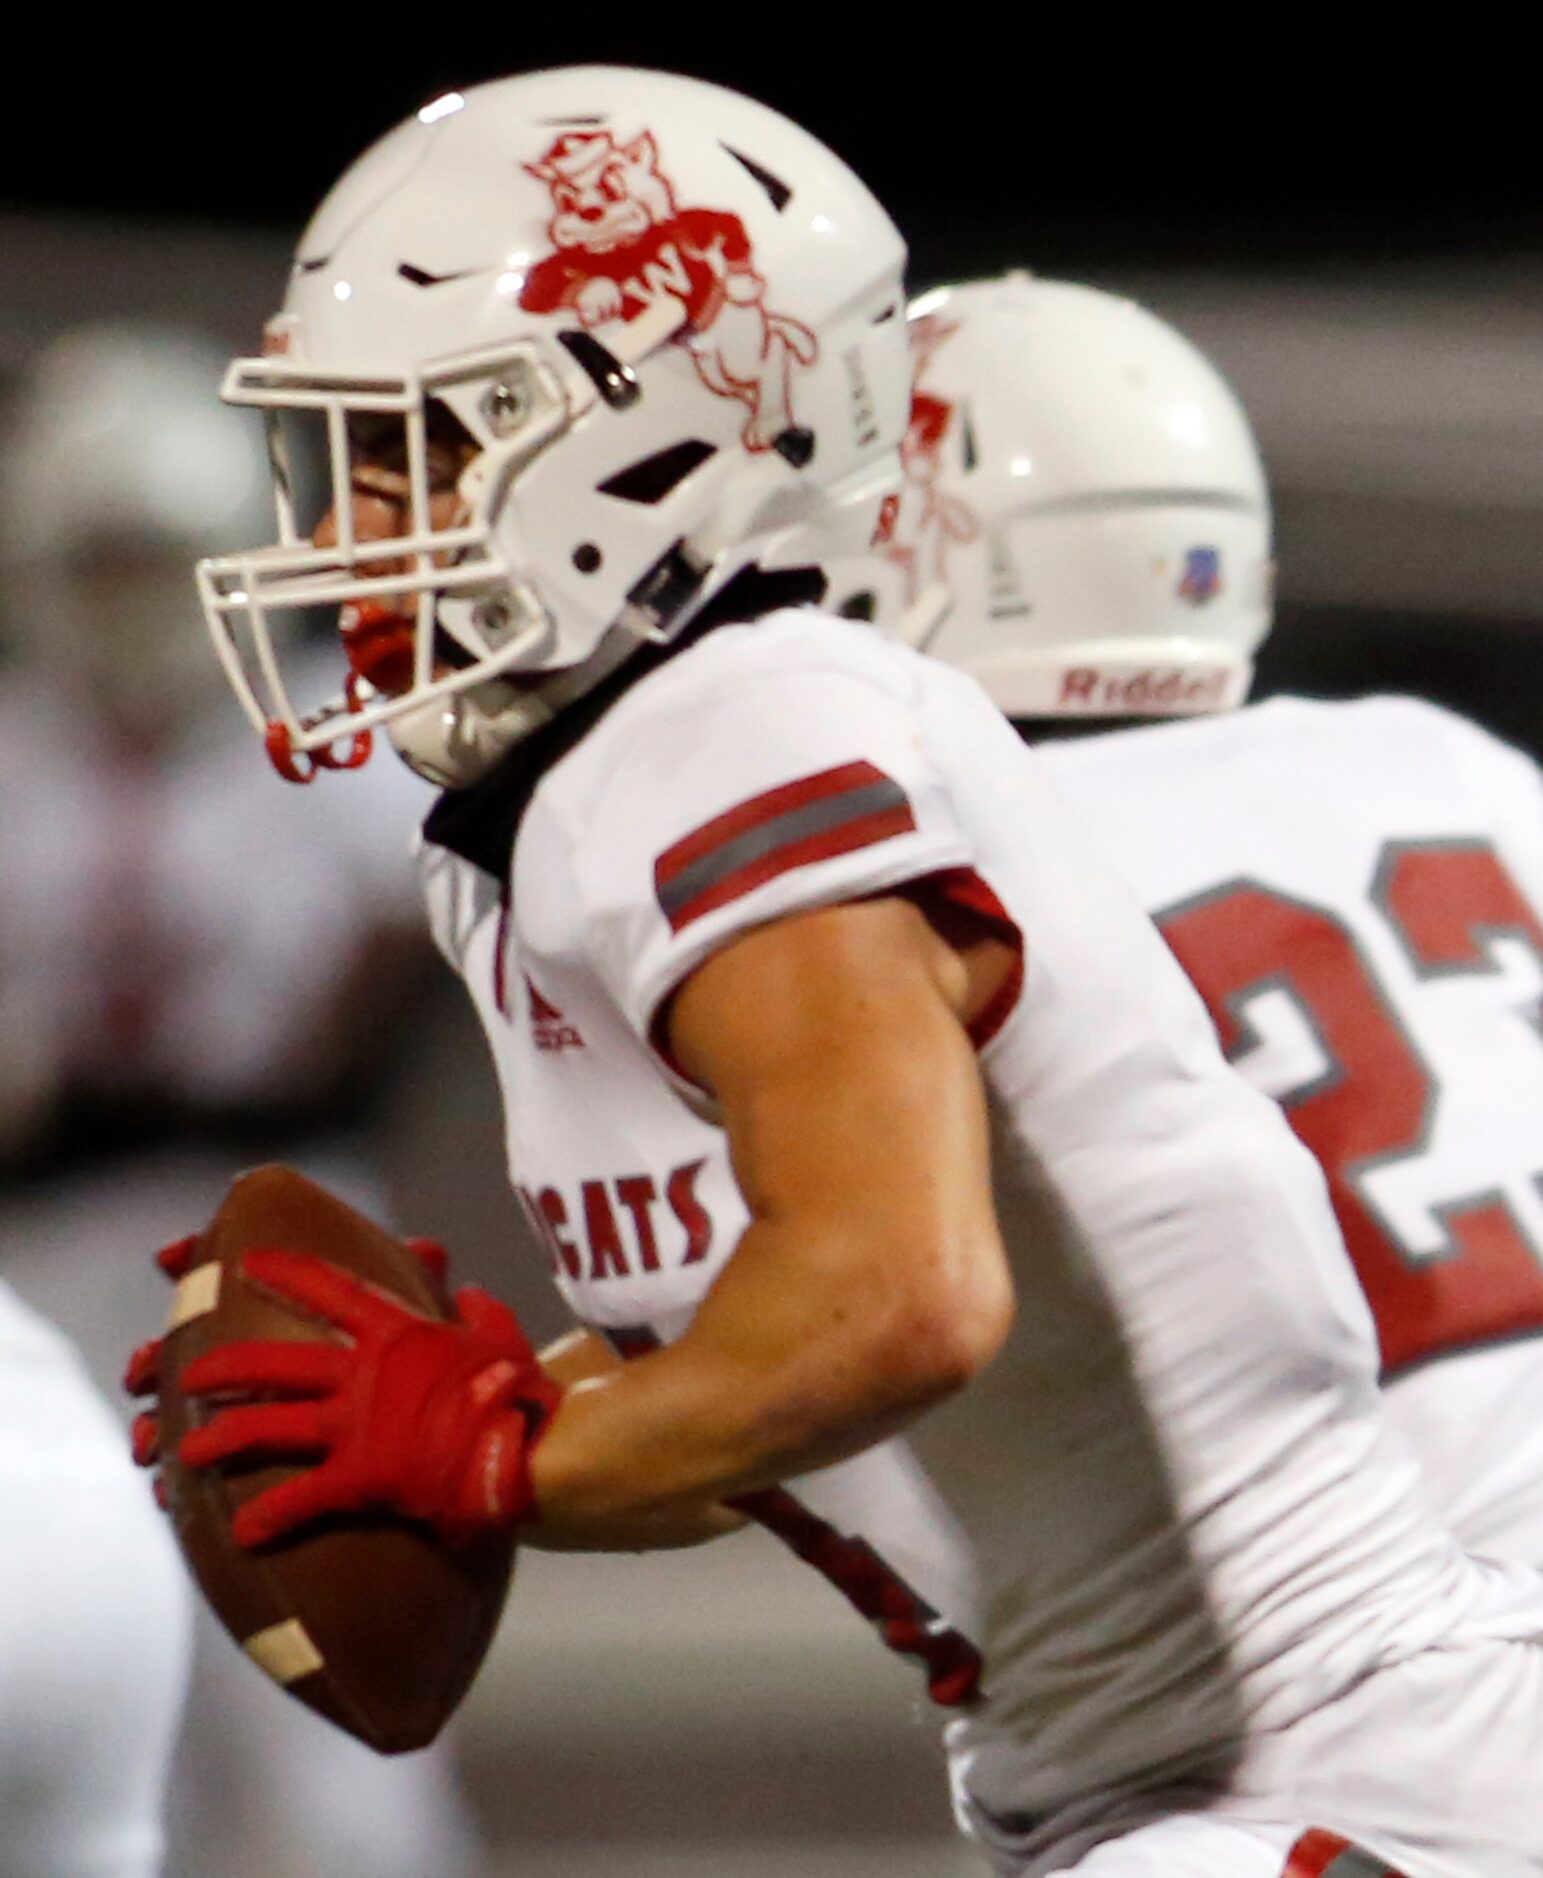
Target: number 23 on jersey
[[1369, 1105]]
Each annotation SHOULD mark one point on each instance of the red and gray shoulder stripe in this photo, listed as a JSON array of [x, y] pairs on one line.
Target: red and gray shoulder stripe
[[834, 812], [1320, 1854]]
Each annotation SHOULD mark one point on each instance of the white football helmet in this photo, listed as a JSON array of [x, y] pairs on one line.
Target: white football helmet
[[671, 323], [117, 468], [1085, 523]]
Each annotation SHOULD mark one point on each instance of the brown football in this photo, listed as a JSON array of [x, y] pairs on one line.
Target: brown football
[[371, 1621]]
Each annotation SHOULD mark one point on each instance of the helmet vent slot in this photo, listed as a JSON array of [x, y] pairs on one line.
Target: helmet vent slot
[[795, 445], [777, 191], [652, 478], [665, 591], [615, 382], [967, 438], [421, 277]]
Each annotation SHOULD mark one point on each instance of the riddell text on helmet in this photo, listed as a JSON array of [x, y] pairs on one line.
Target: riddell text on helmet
[[1151, 690]]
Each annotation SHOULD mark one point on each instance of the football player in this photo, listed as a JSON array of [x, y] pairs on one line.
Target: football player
[[96, 1630], [147, 1001], [800, 976], [1355, 888]]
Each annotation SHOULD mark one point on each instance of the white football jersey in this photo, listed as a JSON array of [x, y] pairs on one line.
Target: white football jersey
[[1170, 1516], [1357, 890]]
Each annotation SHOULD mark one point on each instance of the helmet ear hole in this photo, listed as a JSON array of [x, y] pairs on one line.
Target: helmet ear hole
[[863, 606]]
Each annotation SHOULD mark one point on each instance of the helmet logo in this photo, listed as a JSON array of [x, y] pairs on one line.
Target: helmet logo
[[621, 244], [926, 523], [1202, 576], [1153, 689]]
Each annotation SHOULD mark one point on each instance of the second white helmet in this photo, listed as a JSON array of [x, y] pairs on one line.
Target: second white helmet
[[1084, 494]]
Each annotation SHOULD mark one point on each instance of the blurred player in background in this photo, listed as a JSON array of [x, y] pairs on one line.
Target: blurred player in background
[[1355, 888], [727, 876], [95, 1624], [182, 978], [95, 1611]]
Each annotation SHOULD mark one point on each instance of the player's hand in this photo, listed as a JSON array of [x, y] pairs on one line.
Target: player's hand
[[142, 1377], [434, 1421]]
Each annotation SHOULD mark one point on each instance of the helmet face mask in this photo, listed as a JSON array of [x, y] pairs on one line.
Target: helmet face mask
[[452, 580], [601, 312]]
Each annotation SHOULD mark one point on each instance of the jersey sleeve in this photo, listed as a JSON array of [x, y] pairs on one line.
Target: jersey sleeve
[[729, 811]]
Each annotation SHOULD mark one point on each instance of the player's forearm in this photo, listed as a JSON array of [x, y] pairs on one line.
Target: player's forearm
[[732, 1407], [872, 1280], [582, 1357], [676, 1528]]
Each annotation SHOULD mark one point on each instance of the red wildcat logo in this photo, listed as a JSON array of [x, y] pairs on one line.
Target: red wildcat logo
[[621, 243], [926, 522]]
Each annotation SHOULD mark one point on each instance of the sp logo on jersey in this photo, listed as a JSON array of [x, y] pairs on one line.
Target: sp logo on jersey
[[550, 1029], [1202, 576], [621, 244]]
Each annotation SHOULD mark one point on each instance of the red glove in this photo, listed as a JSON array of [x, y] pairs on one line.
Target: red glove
[[142, 1376], [434, 1421]]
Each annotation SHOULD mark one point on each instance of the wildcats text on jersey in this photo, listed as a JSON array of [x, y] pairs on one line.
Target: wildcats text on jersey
[[813, 819], [684, 1236]]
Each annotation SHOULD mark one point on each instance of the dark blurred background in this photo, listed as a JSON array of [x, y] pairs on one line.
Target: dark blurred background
[[1146, 141], [1348, 218]]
